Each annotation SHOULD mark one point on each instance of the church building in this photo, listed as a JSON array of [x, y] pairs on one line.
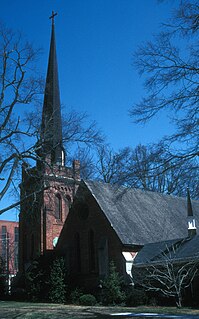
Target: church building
[[89, 223]]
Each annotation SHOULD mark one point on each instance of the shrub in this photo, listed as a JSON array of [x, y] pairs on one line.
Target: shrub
[[75, 295], [2, 286], [87, 300], [112, 287], [136, 297], [153, 302], [57, 292], [45, 280], [34, 279]]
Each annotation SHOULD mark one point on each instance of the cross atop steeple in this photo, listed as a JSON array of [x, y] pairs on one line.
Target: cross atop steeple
[[53, 16]]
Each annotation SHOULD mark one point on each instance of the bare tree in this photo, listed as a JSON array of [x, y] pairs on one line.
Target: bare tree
[[111, 166], [86, 157], [80, 135], [170, 65], [148, 168], [19, 85], [79, 130], [81, 138], [166, 274]]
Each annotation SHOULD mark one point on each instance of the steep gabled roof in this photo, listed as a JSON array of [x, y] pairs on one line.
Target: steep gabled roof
[[139, 217]]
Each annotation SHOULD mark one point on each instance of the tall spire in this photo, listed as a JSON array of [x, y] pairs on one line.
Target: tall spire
[[51, 128]]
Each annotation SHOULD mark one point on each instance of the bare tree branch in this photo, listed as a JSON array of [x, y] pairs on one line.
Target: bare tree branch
[[166, 274], [171, 66]]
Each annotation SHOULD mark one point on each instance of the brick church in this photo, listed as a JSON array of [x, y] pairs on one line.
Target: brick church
[[88, 223]]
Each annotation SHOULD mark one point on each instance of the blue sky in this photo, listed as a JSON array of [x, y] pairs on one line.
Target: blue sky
[[95, 42]]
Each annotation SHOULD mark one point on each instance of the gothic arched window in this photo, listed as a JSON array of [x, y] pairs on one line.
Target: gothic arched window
[[32, 246], [92, 254], [77, 252], [58, 207]]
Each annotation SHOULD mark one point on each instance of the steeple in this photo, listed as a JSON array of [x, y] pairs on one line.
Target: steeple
[[47, 190], [190, 217], [51, 128]]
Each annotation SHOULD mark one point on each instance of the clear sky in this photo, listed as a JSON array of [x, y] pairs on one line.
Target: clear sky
[[95, 42]]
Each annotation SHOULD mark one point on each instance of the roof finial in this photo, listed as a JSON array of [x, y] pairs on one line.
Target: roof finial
[[53, 16], [190, 217], [189, 205]]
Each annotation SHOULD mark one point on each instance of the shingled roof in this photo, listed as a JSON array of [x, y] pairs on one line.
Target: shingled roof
[[178, 250], [139, 217]]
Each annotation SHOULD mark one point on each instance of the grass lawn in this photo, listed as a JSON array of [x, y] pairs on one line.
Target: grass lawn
[[24, 310]]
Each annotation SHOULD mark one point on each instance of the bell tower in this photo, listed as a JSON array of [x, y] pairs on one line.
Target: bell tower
[[47, 190]]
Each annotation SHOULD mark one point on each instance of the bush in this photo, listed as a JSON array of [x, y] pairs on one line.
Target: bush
[[33, 281], [75, 295], [2, 286], [45, 280], [57, 293], [136, 297], [87, 300], [112, 288]]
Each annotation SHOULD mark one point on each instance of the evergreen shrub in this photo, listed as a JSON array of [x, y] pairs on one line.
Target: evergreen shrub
[[112, 292], [57, 291], [136, 297], [75, 295], [87, 300]]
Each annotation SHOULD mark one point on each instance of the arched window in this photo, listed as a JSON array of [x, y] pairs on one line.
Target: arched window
[[77, 252], [69, 200], [25, 248], [58, 207], [92, 255], [103, 263], [32, 246]]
